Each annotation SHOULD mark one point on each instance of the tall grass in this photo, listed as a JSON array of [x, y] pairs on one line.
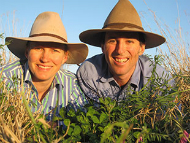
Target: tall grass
[[10, 26], [176, 59], [15, 122]]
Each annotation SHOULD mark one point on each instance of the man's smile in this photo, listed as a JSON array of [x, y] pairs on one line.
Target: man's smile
[[121, 60]]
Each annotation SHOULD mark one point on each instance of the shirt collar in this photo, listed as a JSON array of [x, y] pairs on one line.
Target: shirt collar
[[105, 75], [27, 75]]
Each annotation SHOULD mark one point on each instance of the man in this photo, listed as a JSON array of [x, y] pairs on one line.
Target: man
[[122, 65], [41, 56]]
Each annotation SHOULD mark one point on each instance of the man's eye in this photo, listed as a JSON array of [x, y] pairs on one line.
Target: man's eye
[[111, 41], [129, 41], [38, 48]]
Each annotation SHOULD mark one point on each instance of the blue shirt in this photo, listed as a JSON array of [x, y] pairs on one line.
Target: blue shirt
[[64, 89], [96, 80]]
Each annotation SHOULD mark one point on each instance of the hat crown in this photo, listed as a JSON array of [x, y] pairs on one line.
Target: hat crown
[[123, 13], [49, 23]]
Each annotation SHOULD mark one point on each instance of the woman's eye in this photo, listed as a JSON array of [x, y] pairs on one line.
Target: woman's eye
[[55, 50]]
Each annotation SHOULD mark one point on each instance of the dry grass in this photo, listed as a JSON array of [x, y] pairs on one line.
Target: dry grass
[[14, 119], [9, 27], [15, 122], [176, 60], [176, 56]]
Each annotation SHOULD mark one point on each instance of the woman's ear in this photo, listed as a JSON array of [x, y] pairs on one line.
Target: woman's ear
[[66, 54], [26, 52], [27, 49]]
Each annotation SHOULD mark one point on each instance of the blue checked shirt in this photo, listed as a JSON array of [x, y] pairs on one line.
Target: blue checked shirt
[[64, 89]]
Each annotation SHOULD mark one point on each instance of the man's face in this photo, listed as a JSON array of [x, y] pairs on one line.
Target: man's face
[[45, 59], [121, 52]]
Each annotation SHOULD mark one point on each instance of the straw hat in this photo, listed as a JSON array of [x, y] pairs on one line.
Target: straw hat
[[122, 18], [48, 27]]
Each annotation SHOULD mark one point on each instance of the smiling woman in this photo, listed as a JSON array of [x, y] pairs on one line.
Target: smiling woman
[[41, 56], [44, 60]]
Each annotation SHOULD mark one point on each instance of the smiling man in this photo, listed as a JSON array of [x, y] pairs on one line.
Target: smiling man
[[41, 56], [122, 65]]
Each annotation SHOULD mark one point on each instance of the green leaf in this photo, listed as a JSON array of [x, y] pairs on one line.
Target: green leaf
[[103, 116], [91, 111], [85, 128], [101, 128], [62, 112], [77, 130], [66, 122], [136, 134], [71, 113], [95, 119], [101, 100], [70, 131]]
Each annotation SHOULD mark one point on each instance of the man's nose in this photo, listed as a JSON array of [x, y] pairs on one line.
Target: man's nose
[[121, 47]]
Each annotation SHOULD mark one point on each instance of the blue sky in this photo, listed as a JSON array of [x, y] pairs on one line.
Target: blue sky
[[80, 15]]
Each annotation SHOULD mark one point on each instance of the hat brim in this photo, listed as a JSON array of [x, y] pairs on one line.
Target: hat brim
[[93, 37], [77, 51]]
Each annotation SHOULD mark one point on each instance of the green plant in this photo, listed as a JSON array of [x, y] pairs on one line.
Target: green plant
[[151, 114]]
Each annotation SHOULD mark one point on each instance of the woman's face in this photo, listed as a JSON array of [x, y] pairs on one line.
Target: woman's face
[[45, 59]]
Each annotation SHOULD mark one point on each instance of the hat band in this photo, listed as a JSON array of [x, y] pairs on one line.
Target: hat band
[[122, 25], [48, 34]]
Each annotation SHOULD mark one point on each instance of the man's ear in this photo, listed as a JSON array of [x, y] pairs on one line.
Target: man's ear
[[142, 49], [102, 47]]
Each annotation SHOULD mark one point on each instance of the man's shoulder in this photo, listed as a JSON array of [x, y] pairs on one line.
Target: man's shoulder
[[95, 61], [92, 67], [147, 66]]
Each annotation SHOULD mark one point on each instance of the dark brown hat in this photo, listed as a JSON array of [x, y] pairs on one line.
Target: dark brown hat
[[122, 18]]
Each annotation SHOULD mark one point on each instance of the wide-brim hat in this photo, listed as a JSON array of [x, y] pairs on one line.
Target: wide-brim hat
[[48, 27], [122, 18]]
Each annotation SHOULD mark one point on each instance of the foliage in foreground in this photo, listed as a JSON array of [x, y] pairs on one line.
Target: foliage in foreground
[[151, 115]]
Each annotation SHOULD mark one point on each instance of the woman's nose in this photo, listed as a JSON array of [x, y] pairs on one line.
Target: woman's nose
[[45, 55]]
